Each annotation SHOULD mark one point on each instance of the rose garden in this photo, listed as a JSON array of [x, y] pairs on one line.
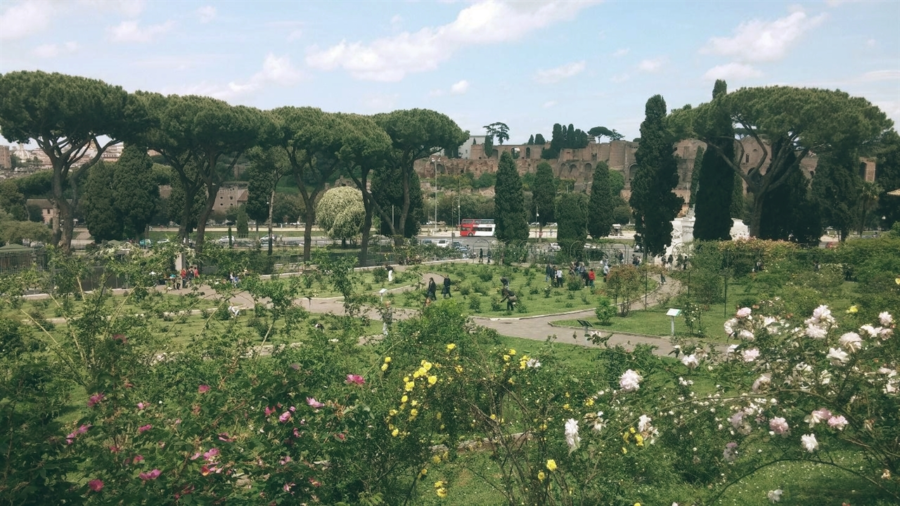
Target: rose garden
[[138, 396]]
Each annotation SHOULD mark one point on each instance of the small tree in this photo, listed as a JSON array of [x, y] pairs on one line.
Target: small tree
[[340, 213], [624, 283], [571, 214], [243, 223], [544, 194]]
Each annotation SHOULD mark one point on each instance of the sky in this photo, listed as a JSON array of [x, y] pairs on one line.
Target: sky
[[527, 63]]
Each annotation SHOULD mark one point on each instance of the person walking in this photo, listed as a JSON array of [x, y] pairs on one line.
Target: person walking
[[586, 277], [605, 273], [480, 255], [432, 290], [548, 273], [510, 297], [446, 291], [390, 273], [591, 278], [489, 257], [559, 276], [183, 275]]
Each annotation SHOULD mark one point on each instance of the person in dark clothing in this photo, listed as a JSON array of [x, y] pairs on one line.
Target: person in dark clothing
[[489, 256], [480, 255], [550, 273], [504, 281], [510, 297], [446, 291], [432, 290], [585, 277]]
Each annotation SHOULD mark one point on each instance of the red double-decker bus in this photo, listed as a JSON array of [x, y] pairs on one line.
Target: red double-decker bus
[[477, 228]]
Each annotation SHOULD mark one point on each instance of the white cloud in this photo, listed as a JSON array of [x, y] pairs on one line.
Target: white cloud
[[206, 13], [128, 8], [619, 78], [377, 102], [277, 71], [459, 88], [25, 18], [761, 41], [130, 31], [729, 71], [484, 22], [650, 65], [54, 50], [621, 52], [557, 74], [879, 75], [550, 103]]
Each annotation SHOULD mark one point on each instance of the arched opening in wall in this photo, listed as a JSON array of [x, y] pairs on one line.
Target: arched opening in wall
[[862, 170], [629, 174], [441, 169], [587, 170], [572, 170], [527, 153]]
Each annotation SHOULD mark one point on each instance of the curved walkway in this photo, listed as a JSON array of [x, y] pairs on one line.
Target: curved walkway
[[539, 328]]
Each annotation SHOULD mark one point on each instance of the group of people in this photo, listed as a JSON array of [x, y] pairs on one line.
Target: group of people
[[431, 290], [554, 275], [184, 278]]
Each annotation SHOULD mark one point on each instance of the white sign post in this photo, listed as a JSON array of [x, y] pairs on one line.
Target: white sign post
[[673, 313]]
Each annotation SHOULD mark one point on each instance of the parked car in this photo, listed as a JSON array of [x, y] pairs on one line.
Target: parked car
[[554, 246], [426, 242], [163, 241], [443, 243], [145, 243], [223, 240]]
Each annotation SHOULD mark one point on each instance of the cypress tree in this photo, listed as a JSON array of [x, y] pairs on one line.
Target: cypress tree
[[716, 182], [737, 198], [790, 212], [488, 146], [531, 140], [600, 208], [652, 201], [544, 193], [836, 187], [695, 176], [539, 139], [509, 202], [571, 214]]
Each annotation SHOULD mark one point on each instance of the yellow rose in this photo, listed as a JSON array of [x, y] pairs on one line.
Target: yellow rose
[[438, 484], [451, 347], [404, 399], [506, 358], [442, 492], [551, 465], [387, 360], [384, 367], [541, 475], [395, 432], [512, 351], [432, 380], [409, 386], [414, 412]]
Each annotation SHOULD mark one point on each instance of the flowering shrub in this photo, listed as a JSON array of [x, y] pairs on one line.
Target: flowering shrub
[[120, 408]]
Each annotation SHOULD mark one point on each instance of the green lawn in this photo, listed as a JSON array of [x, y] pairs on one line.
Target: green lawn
[[654, 322], [482, 283]]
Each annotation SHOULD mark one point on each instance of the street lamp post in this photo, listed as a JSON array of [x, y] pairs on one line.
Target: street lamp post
[[434, 223]]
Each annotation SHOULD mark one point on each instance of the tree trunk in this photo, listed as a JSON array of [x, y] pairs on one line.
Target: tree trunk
[[271, 209], [62, 230], [756, 217], [365, 232], [201, 220], [403, 213], [307, 232]]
